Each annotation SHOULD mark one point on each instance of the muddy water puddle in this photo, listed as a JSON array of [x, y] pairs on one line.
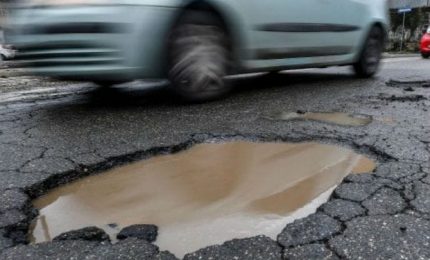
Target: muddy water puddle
[[205, 195], [337, 118]]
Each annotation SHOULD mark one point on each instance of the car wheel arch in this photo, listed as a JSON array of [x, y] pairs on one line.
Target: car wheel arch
[[383, 30], [366, 33]]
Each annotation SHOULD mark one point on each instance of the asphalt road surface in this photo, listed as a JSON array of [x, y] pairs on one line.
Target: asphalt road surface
[[55, 132]]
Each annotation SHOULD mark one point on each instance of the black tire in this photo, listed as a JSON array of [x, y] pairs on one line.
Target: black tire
[[199, 57], [370, 56], [425, 55]]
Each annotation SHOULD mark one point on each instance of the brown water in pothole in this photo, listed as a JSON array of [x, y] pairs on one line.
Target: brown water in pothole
[[338, 118], [205, 195]]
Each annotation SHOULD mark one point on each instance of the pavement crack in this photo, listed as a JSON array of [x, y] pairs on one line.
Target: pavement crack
[[40, 156]]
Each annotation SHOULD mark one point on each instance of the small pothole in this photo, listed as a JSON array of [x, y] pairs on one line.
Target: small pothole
[[409, 83], [337, 118], [205, 195]]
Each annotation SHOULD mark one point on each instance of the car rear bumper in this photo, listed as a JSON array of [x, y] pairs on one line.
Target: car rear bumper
[[425, 50], [85, 42], [425, 44]]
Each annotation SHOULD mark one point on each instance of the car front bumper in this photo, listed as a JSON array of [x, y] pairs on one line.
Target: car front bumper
[[91, 42]]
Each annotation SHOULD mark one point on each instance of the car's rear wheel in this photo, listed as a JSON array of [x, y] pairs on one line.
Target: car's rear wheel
[[425, 55], [370, 56], [199, 57]]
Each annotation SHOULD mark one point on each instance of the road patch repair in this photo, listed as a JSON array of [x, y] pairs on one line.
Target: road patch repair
[[228, 190]]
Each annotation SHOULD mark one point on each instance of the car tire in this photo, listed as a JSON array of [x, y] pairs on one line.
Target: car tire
[[425, 55], [370, 56], [199, 57]]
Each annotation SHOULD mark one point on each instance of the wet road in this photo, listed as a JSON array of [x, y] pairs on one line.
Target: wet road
[[52, 133]]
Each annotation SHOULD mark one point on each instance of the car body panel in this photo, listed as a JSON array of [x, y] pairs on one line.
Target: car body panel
[[266, 35]]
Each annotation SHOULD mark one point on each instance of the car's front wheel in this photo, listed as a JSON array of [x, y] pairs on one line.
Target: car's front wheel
[[199, 57], [370, 56], [425, 55]]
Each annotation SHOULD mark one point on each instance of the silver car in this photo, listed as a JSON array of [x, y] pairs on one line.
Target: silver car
[[195, 43]]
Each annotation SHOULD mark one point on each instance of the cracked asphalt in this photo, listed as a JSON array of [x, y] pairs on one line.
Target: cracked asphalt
[[54, 132]]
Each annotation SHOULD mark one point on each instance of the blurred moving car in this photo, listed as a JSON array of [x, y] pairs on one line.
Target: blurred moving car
[[195, 43], [425, 44]]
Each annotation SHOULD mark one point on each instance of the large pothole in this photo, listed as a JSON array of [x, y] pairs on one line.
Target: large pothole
[[205, 195]]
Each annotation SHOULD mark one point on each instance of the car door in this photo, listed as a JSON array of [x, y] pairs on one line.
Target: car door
[[286, 31]]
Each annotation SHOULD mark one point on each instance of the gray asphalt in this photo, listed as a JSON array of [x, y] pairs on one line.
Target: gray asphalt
[[55, 132]]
